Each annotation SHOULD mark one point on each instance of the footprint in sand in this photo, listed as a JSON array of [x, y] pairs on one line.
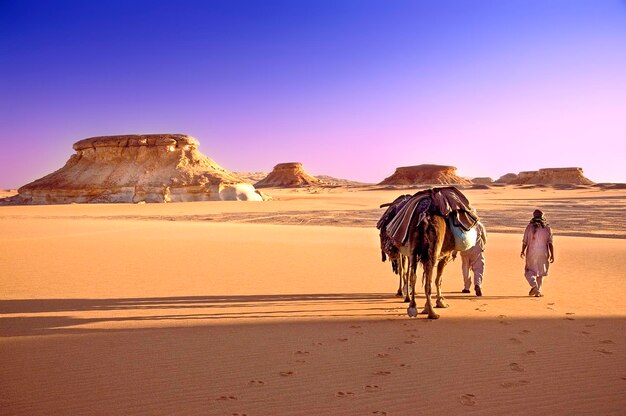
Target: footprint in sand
[[394, 348], [239, 414], [379, 412], [468, 399], [343, 394], [407, 366], [505, 323], [342, 339], [511, 384], [607, 341], [256, 383], [355, 326], [317, 344], [524, 332], [226, 398], [372, 388], [358, 333], [415, 336], [286, 373], [411, 330], [301, 352], [569, 318], [516, 367], [514, 341], [301, 361], [382, 355], [409, 342], [382, 373], [590, 325], [585, 332], [480, 310], [551, 303], [531, 352], [603, 351]]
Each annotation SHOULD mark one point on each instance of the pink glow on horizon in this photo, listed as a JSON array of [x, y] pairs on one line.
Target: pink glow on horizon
[[351, 90]]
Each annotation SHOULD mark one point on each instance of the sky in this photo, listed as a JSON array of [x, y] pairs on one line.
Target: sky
[[350, 88]]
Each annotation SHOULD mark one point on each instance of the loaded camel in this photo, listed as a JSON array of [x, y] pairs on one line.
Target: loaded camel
[[421, 230], [430, 243]]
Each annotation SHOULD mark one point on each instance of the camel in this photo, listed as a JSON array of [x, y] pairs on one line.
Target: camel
[[420, 231], [430, 243]]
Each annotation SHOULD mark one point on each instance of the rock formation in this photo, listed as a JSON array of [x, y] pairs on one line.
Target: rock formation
[[506, 178], [288, 175], [251, 177], [137, 168], [425, 175], [482, 181], [553, 176]]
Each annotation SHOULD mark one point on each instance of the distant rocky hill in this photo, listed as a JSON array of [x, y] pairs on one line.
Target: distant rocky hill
[[506, 178], [482, 181], [288, 175], [254, 177], [425, 175], [137, 168], [552, 176]]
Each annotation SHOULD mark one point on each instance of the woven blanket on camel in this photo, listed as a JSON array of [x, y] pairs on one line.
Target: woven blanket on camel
[[447, 202], [392, 210]]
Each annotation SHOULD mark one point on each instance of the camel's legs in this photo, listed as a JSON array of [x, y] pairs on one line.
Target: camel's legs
[[397, 269], [412, 309], [440, 300], [428, 279], [405, 276]]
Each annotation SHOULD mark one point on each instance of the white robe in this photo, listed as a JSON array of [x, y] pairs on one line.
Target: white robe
[[536, 240]]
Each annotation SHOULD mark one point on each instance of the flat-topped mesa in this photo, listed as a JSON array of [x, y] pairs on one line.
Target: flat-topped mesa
[[552, 176], [137, 168], [135, 140], [425, 175], [288, 175]]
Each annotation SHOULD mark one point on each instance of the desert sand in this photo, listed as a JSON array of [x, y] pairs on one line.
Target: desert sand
[[283, 307]]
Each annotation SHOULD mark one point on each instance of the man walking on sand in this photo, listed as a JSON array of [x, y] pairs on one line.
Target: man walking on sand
[[473, 259], [539, 252]]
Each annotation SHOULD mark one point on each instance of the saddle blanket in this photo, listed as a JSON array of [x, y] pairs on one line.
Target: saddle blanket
[[448, 202]]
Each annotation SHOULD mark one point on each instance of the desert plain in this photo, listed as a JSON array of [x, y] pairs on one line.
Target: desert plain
[[284, 307]]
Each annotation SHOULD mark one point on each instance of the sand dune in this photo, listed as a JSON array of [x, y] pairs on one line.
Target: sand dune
[[179, 309]]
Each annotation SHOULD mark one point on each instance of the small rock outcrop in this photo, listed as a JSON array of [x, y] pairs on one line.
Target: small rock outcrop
[[425, 175], [137, 168], [288, 175], [482, 181], [506, 178], [552, 176]]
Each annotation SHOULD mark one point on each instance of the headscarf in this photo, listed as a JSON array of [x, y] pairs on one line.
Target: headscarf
[[538, 219]]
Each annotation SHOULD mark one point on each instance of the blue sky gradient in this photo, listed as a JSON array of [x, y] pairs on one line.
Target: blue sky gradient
[[352, 89]]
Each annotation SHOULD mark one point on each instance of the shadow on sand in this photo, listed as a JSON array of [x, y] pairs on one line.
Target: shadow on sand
[[55, 316]]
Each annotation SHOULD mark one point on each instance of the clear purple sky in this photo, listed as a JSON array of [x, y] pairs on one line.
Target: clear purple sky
[[351, 89]]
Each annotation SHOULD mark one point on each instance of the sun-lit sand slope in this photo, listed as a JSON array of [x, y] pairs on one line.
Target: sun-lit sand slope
[[192, 309]]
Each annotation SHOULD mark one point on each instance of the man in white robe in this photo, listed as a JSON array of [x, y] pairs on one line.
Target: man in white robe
[[538, 249], [473, 259]]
